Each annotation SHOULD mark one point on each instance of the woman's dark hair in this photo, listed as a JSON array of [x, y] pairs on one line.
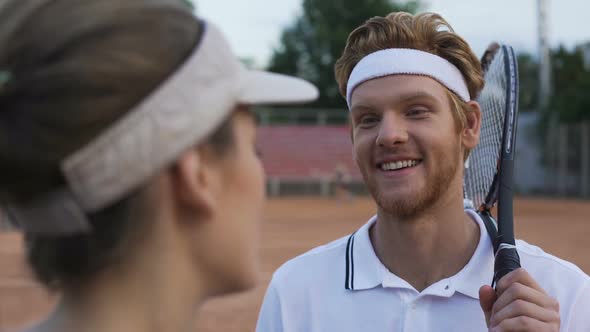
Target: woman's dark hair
[[75, 68]]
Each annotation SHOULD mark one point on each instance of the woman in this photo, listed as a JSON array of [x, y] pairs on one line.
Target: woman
[[127, 156]]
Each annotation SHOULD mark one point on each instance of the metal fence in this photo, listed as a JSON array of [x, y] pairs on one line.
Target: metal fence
[[313, 186], [268, 116], [567, 159], [555, 163]]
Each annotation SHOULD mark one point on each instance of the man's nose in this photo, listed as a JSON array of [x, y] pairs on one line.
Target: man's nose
[[393, 130]]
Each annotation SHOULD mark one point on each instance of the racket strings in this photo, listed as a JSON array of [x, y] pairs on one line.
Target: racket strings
[[483, 161]]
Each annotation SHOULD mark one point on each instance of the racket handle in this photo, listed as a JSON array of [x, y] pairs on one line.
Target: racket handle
[[507, 260]]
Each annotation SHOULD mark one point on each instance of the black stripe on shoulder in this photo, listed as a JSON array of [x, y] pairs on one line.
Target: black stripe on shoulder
[[348, 282], [352, 264]]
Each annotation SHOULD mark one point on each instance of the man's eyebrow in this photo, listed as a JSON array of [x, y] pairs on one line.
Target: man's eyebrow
[[402, 98], [410, 96], [360, 107]]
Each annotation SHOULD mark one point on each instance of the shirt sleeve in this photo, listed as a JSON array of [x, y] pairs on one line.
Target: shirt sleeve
[[270, 318], [579, 318]]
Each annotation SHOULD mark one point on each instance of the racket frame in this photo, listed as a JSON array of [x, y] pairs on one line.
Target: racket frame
[[501, 189]]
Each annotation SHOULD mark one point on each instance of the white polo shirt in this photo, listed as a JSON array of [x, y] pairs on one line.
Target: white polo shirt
[[343, 286]]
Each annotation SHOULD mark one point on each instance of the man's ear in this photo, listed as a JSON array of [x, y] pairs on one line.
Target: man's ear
[[470, 133], [194, 183]]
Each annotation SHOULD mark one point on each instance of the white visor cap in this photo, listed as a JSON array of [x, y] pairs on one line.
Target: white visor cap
[[180, 113]]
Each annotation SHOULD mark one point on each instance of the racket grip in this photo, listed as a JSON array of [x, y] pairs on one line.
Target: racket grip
[[507, 260]]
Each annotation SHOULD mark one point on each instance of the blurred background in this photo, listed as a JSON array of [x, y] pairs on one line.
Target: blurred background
[[305, 38], [317, 194]]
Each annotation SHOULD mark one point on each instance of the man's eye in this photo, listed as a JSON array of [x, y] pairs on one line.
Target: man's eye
[[417, 112], [368, 120]]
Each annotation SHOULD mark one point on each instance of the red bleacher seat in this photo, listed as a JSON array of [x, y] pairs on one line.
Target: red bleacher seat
[[296, 152]]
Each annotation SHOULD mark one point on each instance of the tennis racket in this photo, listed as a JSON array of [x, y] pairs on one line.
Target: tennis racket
[[489, 169]]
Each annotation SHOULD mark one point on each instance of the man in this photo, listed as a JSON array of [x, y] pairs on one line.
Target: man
[[423, 263]]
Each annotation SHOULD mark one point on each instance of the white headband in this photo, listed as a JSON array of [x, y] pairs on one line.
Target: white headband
[[407, 61], [179, 114]]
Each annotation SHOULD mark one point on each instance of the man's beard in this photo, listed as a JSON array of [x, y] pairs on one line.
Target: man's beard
[[436, 186]]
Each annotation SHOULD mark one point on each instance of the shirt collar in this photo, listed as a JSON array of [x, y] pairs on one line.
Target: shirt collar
[[364, 270]]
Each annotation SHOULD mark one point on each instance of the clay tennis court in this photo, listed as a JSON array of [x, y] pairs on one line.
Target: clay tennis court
[[291, 227]]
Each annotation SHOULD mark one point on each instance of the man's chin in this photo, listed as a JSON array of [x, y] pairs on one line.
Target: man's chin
[[404, 207], [396, 196]]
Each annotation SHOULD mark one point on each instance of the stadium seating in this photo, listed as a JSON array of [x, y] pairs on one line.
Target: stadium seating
[[303, 152]]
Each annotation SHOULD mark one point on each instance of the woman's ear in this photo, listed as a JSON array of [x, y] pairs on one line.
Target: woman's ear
[[194, 183], [470, 133]]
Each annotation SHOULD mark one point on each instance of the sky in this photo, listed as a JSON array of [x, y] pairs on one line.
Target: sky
[[254, 27]]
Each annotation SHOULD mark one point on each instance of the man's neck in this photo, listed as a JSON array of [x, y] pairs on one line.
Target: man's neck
[[432, 246]]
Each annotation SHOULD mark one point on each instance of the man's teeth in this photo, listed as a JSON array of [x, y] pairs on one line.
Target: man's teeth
[[398, 164]]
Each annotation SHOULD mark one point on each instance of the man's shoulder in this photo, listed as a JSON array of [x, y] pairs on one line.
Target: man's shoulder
[[562, 280], [537, 258], [325, 261], [559, 278]]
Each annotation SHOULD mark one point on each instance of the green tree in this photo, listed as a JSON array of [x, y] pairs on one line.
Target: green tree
[[570, 101], [191, 4], [528, 70], [315, 40]]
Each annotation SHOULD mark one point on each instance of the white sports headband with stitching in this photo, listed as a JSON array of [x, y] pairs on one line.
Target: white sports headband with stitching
[[410, 62]]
